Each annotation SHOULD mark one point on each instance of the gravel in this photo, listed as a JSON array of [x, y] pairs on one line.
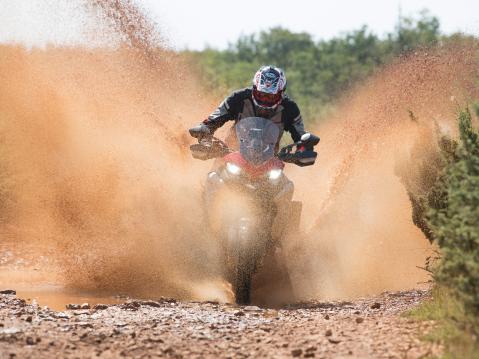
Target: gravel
[[169, 328]]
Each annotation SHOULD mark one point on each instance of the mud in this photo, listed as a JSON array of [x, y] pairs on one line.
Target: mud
[[361, 239], [365, 328], [96, 176]]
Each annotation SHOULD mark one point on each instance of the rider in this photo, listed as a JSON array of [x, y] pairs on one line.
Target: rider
[[267, 99]]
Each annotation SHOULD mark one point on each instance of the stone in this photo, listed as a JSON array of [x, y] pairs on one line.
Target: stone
[[252, 308], [151, 303], [376, 305], [296, 352], [8, 292], [62, 315]]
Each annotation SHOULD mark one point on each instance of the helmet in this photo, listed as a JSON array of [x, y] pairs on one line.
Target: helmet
[[269, 84]]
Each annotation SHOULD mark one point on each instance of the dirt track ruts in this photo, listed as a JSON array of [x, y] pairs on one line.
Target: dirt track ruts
[[365, 328]]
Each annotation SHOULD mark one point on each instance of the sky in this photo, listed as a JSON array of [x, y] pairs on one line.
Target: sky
[[196, 24]]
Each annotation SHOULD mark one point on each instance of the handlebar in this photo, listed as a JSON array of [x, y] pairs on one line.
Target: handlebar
[[209, 147]]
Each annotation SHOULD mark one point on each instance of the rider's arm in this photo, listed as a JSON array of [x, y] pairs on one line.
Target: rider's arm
[[228, 110], [293, 122]]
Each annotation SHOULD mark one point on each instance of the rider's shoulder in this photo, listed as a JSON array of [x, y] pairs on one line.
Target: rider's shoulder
[[240, 94], [235, 101], [290, 107]]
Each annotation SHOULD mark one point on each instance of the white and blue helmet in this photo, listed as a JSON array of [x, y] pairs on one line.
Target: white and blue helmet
[[269, 84]]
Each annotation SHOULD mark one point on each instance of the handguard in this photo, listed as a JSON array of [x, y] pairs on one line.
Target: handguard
[[205, 149], [304, 154], [200, 132]]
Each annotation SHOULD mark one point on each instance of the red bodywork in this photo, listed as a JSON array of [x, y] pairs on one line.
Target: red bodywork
[[253, 171]]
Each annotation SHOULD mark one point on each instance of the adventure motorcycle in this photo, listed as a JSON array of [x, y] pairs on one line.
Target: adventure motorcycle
[[263, 211]]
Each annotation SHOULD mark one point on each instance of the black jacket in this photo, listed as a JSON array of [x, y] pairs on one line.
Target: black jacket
[[240, 105]]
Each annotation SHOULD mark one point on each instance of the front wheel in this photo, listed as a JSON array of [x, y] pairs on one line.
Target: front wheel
[[242, 281]]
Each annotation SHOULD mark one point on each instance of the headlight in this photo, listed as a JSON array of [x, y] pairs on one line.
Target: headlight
[[275, 174], [233, 169]]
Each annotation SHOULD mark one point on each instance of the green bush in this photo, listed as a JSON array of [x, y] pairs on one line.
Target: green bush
[[456, 223], [444, 193]]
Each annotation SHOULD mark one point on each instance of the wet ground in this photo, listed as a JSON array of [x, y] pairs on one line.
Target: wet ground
[[365, 328], [35, 323]]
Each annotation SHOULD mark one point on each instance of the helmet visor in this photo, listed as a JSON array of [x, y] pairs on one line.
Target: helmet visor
[[267, 99]]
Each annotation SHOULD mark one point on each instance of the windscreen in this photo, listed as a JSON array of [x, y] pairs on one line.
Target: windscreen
[[257, 138]]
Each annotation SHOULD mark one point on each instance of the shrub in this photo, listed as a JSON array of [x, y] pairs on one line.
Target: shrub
[[455, 223]]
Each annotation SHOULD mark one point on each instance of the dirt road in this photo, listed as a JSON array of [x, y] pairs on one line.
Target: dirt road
[[365, 328]]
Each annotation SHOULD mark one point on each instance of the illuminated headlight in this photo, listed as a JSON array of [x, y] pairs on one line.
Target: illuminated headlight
[[233, 169], [275, 174]]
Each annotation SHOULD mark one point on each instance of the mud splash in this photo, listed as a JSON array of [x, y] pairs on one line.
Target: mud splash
[[362, 239], [94, 147], [94, 165]]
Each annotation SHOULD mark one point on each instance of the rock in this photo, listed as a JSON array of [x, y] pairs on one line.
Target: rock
[[30, 341], [359, 320], [212, 302], [168, 350], [29, 319], [62, 315], [151, 303], [312, 349], [167, 300], [239, 313], [8, 292], [309, 355], [85, 306], [73, 306], [252, 308], [11, 330], [334, 340], [100, 306], [270, 313], [376, 305], [357, 312], [80, 312], [84, 325], [131, 305], [296, 352], [326, 317], [328, 333]]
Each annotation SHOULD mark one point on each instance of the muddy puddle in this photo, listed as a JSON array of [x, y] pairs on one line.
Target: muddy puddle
[[31, 271], [34, 287]]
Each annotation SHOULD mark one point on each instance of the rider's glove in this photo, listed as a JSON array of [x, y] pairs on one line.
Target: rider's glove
[[201, 132]]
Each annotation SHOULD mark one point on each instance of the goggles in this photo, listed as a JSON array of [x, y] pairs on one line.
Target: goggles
[[267, 99]]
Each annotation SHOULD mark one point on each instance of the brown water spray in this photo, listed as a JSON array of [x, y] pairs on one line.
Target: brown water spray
[[96, 164]]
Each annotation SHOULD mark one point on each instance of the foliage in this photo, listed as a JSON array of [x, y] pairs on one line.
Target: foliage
[[449, 315], [446, 208], [456, 224], [317, 71]]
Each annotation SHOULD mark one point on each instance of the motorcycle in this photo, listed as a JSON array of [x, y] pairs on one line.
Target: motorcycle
[[263, 211]]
